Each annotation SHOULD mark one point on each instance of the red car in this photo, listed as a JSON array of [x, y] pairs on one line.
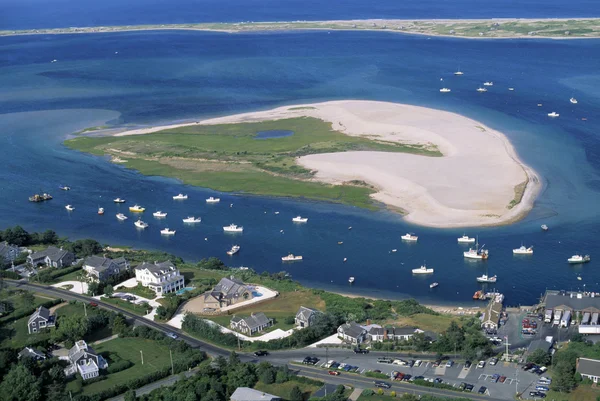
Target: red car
[[93, 304], [333, 373], [502, 379]]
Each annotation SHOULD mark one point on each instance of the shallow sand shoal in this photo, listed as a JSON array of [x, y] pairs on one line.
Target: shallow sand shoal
[[473, 183]]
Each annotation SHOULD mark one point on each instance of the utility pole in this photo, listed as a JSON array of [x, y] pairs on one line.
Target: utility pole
[[171, 355], [517, 380], [84, 309], [142, 354]]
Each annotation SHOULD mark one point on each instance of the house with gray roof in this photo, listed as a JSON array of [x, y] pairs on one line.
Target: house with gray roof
[[227, 292], [101, 268], [305, 316], [379, 334], [28, 352], [40, 319], [589, 368], [352, 333], [542, 344], [52, 257], [85, 361], [252, 324], [8, 252], [249, 394], [160, 277]]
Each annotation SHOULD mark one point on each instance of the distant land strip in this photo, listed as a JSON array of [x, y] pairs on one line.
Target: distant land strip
[[555, 28]]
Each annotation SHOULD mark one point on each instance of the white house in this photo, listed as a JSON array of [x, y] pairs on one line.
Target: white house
[[352, 333], [161, 277]]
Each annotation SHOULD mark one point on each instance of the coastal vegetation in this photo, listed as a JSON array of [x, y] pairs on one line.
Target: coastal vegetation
[[519, 191], [229, 158], [473, 28]]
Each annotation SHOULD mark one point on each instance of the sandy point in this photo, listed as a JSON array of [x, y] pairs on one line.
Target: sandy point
[[479, 180]]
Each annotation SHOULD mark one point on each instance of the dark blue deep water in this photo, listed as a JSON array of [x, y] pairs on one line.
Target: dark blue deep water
[[159, 77]]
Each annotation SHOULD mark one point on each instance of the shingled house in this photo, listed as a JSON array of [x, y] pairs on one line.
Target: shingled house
[[378, 334], [228, 291], [305, 316], [101, 268], [161, 278], [40, 319], [85, 361], [52, 257], [251, 324], [352, 333]]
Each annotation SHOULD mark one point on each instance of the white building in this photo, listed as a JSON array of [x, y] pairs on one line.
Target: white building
[[161, 277]]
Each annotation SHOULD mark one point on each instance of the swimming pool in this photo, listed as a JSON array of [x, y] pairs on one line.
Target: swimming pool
[[181, 291], [256, 294]]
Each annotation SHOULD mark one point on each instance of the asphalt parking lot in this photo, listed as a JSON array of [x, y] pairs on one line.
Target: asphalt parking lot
[[516, 378]]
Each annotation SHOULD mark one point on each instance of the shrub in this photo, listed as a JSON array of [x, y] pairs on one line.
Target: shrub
[[367, 392], [119, 366]]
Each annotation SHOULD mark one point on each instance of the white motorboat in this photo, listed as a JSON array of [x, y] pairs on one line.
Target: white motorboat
[[234, 249], [523, 250], [351, 279], [573, 100], [459, 72], [394, 250], [345, 260], [180, 197], [553, 114], [213, 200], [232, 228], [423, 270], [119, 200], [486, 279], [445, 90], [159, 214], [291, 258], [276, 212], [511, 89], [121, 216], [476, 253], [465, 239], [65, 188], [488, 83], [579, 259], [136, 209], [433, 285], [69, 208], [540, 104], [140, 224], [166, 231], [481, 90], [101, 210], [409, 237], [192, 219], [544, 227], [300, 219]]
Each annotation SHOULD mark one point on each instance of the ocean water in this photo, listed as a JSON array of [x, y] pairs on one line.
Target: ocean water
[[159, 77], [28, 14]]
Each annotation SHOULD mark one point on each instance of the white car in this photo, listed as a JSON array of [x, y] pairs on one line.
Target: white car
[[172, 335], [481, 364], [418, 363], [399, 362], [449, 364]]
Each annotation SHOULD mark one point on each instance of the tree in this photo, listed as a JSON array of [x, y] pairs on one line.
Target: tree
[[119, 325], [27, 298], [539, 357], [130, 396], [16, 236], [20, 384], [72, 328], [93, 288], [267, 376], [84, 247], [108, 290], [49, 237], [564, 377], [234, 359], [296, 394]]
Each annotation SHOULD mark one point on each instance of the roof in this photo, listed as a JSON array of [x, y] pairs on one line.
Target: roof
[[79, 349], [305, 313], [588, 366], [98, 263], [404, 331], [42, 312], [255, 320], [492, 312], [52, 252], [157, 268], [31, 353], [120, 261], [228, 288], [249, 394], [391, 331], [5, 248], [352, 329], [539, 344], [554, 300]]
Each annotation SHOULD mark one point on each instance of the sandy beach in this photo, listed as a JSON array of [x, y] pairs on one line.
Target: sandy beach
[[473, 184]]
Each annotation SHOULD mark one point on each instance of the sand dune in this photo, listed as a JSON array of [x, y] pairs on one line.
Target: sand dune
[[471, 185]]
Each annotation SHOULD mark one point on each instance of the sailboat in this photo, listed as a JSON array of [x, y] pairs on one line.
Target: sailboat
[[459, 72]]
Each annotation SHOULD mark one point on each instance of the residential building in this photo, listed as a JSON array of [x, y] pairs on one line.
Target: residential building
[[227, 292], [161, 278], [40, 319], [101, 268], [28, 352], [52, 257], [249, 394], [305, 316], [8, 253], [251, 324], [589, 368], [378, 334], [85, 361], [352, 333]]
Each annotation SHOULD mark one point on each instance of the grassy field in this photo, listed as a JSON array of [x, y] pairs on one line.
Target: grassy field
[[19, 304], [581, 393], [156, 357], [139, 290], [284, 390], [73, 276], [133, 308], [229, 158], [435, 323]]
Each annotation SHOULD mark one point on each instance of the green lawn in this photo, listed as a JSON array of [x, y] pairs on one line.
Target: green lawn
[[228, 158], [73, 276], [283, 390], [131, 307], [15, 334], [139, 290], [156, 357], [18, 303], [583, 392]]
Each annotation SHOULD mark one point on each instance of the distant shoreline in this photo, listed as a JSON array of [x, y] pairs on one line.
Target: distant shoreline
[[492, 28]]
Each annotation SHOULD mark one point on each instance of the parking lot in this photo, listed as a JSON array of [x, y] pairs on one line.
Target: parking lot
[[502, 380]]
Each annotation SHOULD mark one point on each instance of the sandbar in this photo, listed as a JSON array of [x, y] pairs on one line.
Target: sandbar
[[479, 180]]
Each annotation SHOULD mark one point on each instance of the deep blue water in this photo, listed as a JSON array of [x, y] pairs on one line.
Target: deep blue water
[[24, 14], [161, 77]]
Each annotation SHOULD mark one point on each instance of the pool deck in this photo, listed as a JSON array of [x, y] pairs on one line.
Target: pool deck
[[266, 294]]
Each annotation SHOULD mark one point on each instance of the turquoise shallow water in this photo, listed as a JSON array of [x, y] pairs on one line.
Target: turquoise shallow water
[[163, 77]]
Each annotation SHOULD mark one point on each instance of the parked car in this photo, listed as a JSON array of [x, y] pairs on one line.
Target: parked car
[[333, 373], [419, 378], [93, 304], [385, 360], [502, 379], [495, 378], [481, 364], [418, 362], [382, 384], [335, 365], [537, 394], [469, 387], [313, 360], [261, 353], [462, 386], [467, 364], [407, 377], [528, 366], [449, 364], [542, 388], [171, 335], [361, 351], [482, 390], [493, 361], [411, 363], [437, 380]]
